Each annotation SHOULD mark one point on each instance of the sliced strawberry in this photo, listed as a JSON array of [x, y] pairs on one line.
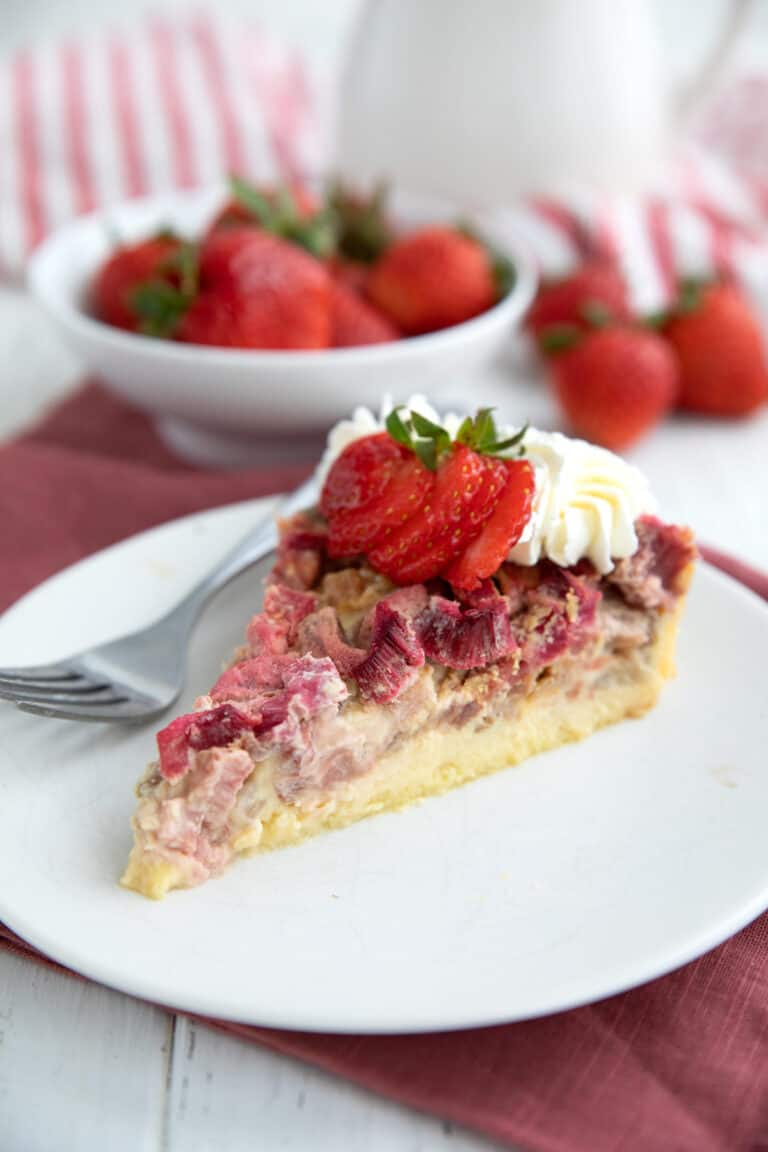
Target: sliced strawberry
[[465, 490], [354, 530], [501, 532], [361, 473]]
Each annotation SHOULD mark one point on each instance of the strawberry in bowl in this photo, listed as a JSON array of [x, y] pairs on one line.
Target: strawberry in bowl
[[246, 325], [278, 268]]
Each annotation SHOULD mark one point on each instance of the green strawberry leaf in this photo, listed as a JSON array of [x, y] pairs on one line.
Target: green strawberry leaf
[[159, 307], [363, 229], [430, 441], [426, 450], [184, 263], [280, 215], [484, 429], [596, 313], [690, 292], [466, 431], [397, 429], [502, 268], [253, 200], [504, 272], [657, 320], [500, 446], [317, 234], [559, 338], [425, 428]]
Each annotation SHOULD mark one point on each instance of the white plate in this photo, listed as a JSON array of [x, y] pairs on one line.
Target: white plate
[[579, 874]]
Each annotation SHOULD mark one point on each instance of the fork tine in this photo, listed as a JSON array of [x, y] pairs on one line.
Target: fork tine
[[47, 672], [52, 688], [126, 709], [63, 700]]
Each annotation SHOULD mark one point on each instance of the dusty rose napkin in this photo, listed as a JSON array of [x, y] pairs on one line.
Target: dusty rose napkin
[[679, 1064]]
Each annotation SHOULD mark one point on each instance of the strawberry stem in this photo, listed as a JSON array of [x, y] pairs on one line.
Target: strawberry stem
[[160, 307], [280, 215], [559, 338], [430, 441], [363, 228], [252, 200], [596, 313]]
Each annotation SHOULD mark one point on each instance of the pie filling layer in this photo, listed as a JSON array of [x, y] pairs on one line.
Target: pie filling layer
[[351, 697]]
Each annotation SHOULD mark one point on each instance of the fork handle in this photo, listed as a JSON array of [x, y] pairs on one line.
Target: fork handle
[[254, 546]]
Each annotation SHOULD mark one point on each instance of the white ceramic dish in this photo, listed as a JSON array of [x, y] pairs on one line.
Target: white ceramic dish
[[578, 874], [242, 391]]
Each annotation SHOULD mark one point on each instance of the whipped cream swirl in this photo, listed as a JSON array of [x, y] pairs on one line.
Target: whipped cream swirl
[[586, 499], [585, 504]]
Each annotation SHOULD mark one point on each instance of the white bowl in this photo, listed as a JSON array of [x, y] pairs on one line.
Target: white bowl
[[213, 390]]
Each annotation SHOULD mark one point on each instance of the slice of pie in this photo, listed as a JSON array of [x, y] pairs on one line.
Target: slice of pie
[[459, 600]]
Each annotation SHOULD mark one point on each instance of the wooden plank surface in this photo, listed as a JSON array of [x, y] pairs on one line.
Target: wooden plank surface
[[224, 1091], [83, 1068], [80, 1067]]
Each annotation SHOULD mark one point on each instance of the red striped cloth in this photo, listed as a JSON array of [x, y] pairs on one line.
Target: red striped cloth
[[176, 103], [181, 101]]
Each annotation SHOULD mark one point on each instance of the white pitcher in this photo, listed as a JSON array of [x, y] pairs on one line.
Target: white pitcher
[[484, 100]]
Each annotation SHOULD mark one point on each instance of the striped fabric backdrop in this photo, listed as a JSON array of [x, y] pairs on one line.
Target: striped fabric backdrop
[[175, 104], [179, 102]]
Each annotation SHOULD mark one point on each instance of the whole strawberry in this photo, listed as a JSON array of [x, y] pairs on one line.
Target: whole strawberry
[[615, 383], [719, 346], [257, 291], [354, 321], [595, 289], [128, 268], [432, 279]]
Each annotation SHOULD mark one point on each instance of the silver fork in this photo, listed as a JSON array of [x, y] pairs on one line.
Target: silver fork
[[139, 675]]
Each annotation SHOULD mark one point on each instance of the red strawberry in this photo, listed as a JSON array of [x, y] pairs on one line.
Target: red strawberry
[[257, 291], [720, 350], [501, 531], [355, 321], [361, 473], [466, 490], [354, 530], [432, 279], [127, 268], [614, 384], [214, 318], [416, 514], [596, 289], [350, 274]]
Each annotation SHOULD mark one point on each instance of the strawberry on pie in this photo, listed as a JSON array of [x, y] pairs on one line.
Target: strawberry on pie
[[460, 599]]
